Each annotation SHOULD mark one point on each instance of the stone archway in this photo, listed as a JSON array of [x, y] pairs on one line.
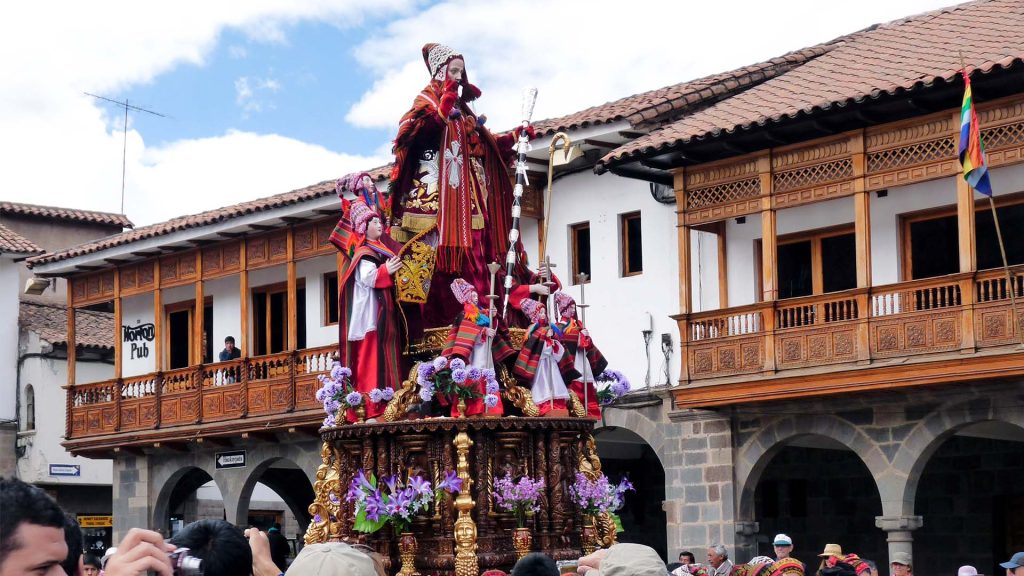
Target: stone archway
[[625, 453], [285, 478], [178, 487]]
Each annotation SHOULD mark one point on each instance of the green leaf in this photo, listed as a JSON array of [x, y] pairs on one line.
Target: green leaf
[[363, 524]]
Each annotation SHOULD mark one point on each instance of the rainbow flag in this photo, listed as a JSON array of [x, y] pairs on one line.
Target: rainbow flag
[[972, 149]]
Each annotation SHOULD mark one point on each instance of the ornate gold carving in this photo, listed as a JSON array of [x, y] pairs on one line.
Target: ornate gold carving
[[418, 259], [405, 396], [433, 340], [517, 337], [518, 396], [465, 529], [575, 405], [326, 505]]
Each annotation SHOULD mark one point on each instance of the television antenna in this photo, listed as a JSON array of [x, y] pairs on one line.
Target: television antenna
[[124, 145]]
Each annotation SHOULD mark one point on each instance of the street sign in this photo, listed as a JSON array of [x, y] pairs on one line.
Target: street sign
[[233, 459], [65, 470]]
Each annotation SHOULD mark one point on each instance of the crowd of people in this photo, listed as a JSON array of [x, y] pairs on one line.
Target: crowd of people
[[37, 538]]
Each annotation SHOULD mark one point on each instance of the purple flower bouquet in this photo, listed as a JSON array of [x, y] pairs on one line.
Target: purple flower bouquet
[[600, 495], [338, 394], [611, 384], [519, 498], [392, 502]]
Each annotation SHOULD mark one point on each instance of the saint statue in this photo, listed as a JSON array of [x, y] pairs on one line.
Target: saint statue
[[587, 359], [543, 364]]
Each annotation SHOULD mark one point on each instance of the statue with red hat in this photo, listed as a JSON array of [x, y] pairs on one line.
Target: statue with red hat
[[369, 321], [587, 359], [543, 364]]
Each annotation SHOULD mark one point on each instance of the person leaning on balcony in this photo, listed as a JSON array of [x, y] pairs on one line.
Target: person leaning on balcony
[[230, 352], [370, 327]]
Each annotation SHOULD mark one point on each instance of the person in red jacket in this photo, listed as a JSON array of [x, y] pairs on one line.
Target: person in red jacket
[[587, 359], [543, 364]]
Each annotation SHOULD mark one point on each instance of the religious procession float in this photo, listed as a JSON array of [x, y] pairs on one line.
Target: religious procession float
[[460, 411]]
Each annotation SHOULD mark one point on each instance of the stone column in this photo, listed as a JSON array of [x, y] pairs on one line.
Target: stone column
[[746, 540], [899, 529], [131, 502]]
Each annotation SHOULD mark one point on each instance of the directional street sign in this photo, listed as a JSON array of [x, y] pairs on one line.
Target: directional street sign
[[233, 459], [65, 470]]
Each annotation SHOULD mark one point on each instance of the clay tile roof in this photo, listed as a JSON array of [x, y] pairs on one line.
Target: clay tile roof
[[50, 322], [13, 243], [658, 104], [319, 190], [65, 214], [909, 53]]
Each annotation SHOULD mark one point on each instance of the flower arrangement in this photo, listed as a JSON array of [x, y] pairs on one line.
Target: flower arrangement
[[451, 379], [338, 394], [611, 384], [392, 502], [519, 498], [600, 495]]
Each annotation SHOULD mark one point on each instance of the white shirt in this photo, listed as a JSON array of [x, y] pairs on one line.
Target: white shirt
[[364, 302], [548, 383]]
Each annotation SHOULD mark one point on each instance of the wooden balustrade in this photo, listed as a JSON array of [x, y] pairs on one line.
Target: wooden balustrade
[[261, 386], [956, 312]]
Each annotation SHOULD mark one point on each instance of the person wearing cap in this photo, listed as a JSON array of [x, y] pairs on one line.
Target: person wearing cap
[[784, 548], [967, 571], [1015, 566], [901, 564]]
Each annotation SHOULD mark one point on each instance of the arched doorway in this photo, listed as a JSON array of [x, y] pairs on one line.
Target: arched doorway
[[625, 453], [817, 491], [277, 492], [971, 498], [189, 495]]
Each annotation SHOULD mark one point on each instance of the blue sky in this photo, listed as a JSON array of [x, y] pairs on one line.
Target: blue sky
[[266, 96], [301, 88]]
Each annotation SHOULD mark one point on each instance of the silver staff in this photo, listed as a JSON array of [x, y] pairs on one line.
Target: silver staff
[[522, 147]]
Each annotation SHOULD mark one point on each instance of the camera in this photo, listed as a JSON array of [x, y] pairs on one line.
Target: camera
[[185, 564]]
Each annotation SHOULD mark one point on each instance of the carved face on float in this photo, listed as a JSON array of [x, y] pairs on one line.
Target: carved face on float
[[374, 229], [455, 69]]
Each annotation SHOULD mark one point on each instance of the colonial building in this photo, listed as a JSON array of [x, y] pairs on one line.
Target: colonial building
[[36, 321], [783, 256]]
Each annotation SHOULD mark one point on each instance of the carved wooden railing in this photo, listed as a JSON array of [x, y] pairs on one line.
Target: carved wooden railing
[[957, 312], [275, 384]]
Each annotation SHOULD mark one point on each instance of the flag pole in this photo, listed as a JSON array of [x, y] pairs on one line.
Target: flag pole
[[1011, 286]]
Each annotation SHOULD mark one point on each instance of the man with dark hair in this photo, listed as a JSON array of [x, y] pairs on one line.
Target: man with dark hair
[[535, 564], [687, 558], [31, 531], [221, 546], [91, 565], [279, 548], [230, 352], [73, 538]]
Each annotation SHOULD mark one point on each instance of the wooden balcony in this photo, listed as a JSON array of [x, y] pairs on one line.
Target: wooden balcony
[[946, 329], [271, 393]]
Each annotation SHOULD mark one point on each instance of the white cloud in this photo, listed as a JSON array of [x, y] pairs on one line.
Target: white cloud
[[580, 54], [237, 52], [61, 147], [248, 92]]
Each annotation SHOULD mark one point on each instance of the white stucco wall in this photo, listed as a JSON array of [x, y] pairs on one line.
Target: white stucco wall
[[227, 319], [46, 376], [9, 291], [313, 270], [704, 271], [620, 307], [136, 313]]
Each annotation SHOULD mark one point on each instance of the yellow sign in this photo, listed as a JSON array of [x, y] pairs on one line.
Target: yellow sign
[[96, 521]]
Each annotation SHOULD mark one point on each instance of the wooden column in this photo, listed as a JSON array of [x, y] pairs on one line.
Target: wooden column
[[197, 328], [118, 340], [69, 393], [243, 301], [723, 266], [293, 325], [158, 319], [862, 243], [967, 232], [769, 260], [685, 280]]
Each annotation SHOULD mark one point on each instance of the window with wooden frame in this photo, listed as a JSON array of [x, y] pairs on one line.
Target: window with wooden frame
[[330, 298], [631, 244], [178, 319], [930, 239], [270, 321], [814, 262], [579, 244]]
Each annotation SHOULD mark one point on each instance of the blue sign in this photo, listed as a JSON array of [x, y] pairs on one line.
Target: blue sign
[[65, 470]]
